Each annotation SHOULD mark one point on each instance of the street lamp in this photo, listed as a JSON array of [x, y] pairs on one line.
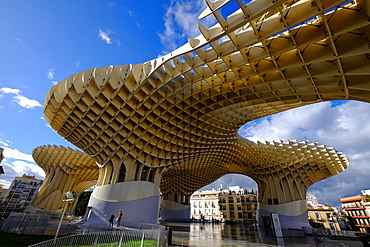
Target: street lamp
[[68, 197]]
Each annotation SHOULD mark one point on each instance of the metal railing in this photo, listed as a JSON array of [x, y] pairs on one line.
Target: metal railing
[[24, 223], [323, 233], [144, 235]]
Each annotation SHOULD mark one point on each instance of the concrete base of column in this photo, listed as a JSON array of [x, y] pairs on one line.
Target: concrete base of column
[[174, 212], [138, 200], [293, 215]]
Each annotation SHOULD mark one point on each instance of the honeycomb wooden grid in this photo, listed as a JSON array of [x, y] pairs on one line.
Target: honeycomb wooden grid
[[174, 120], [66, 169]]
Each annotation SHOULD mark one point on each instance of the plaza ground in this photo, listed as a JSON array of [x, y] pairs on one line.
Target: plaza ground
[[192, 235]]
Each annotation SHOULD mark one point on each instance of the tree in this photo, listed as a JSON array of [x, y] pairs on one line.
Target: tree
[[82, 202]]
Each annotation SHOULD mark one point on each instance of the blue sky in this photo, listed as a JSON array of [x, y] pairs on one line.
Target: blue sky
[[43, 42]]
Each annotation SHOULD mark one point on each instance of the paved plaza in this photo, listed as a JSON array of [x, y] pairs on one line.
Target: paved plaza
[[211, 235]]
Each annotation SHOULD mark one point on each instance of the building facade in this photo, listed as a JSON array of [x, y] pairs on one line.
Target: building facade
[[205, 204], [324, 216], [238, 205], [357, 211], [2, 193], [20, 194], [233, 205]]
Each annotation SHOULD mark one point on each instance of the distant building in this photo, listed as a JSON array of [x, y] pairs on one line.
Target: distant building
[[19, 195], [233, 205], [357, 211], [238, 204], [2, 193], [205, 204], [1, 159], [323, 216]]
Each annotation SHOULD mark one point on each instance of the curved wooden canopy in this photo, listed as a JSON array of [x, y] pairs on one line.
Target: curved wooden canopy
[[177, 117], [66, 169]]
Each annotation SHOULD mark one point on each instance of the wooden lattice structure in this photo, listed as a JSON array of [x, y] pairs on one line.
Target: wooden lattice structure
[[66, 169], [174, 120]]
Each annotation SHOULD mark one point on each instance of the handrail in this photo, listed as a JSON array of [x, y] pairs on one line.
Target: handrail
[[148, 234]]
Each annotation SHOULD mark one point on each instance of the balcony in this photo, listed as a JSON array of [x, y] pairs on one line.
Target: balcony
[[359, 217], [354, 208], [321, 208]]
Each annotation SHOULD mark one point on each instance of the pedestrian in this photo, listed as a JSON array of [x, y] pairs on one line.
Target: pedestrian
[[120, 214], [365, 243], [111, 219]]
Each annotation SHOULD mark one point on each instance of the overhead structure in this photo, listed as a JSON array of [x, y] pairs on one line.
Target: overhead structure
[[173, 121], [66, 169]]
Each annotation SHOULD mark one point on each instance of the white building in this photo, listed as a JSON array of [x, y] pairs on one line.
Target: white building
[[205, 203], [233, 205]]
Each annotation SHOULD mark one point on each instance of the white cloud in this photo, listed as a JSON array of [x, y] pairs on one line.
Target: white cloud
[[346, 127], [180, 22], [25, 102], [7, 90], [20, 99], [105, 36], [4, 143], [50, 74], [131, 13], [16, 164], [16, 154]]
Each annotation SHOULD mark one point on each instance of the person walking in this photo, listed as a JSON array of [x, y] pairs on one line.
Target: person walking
[[111, 219], [365, 243], [120, 214]]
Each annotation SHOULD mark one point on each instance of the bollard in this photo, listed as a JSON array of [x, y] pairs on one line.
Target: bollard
[[169, 235]]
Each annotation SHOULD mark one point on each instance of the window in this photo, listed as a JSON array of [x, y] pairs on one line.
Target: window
[[329, 216], [332, 226], [318, 216]]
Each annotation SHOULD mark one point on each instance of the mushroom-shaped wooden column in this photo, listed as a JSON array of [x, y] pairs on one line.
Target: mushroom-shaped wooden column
[[146, 122], [66, 169]]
